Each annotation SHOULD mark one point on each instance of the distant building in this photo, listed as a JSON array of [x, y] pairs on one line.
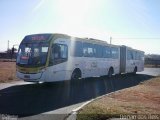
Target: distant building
[[152, 59], [7, 55]]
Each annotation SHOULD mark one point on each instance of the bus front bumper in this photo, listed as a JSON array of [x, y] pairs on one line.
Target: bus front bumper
[[30, 77]]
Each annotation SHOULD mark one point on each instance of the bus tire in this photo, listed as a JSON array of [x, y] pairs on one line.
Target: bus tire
[[110, 72], [76, 74]]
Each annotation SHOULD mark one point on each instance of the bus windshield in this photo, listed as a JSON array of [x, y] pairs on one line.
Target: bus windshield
[[32, 54]]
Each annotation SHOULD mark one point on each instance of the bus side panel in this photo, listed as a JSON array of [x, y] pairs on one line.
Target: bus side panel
[[58, 72], [116, 65], [103, 66]]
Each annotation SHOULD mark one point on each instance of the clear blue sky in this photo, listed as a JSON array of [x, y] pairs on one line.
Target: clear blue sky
[[120, 19]]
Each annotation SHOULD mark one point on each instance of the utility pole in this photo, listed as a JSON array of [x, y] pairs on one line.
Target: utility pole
[[110, 40], [13, 50], [8, 46]]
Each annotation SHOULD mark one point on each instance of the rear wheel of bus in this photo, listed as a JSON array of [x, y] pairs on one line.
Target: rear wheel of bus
[[135, 70], [110, 72], [76, 75]]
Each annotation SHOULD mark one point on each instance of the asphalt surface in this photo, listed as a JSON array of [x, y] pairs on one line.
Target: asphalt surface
[[56, 100]]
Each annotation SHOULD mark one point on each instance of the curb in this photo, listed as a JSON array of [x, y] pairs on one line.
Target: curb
[[73, 114]]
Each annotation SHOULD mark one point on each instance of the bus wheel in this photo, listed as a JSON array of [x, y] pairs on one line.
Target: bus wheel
[[110, 72], [135, 70], [76, 75]]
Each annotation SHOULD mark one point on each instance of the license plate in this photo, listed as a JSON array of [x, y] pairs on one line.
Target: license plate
[[26, 76]]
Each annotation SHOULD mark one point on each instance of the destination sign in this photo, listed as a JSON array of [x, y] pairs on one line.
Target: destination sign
[[38, 37]]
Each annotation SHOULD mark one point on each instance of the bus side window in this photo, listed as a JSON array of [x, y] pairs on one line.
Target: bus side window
[[98, 53], [56, 51], [88, 50], [142, 56], [59, 52], [106, 52], [63, 52], [77, 49], [130, 55], [137, 55], [114, 53], [85, 52]]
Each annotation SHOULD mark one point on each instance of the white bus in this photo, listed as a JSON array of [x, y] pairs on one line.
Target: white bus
[[58, 57]]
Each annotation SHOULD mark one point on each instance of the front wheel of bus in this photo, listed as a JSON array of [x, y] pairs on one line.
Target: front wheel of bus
[[76, 75]]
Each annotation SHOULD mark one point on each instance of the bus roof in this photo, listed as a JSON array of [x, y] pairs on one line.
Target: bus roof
[[91, 40], [46, 37], [132, 48]]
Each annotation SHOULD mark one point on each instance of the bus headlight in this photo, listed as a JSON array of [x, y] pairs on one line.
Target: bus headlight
[[42, 70]]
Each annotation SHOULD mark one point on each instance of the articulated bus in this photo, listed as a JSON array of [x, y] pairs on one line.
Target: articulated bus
[[59, 57]]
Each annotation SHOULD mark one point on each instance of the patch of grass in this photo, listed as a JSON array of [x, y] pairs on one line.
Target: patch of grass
[[152, 66], [141, 99], [7, 72], [94, 111], [10, 78], [91, 112]]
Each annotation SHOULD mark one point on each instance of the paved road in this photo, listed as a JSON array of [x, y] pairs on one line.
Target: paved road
[[151, 71], [56, 100]]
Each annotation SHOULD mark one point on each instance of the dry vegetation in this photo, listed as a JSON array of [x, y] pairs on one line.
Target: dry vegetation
[[151, 66], [141, 99], [7, 71]]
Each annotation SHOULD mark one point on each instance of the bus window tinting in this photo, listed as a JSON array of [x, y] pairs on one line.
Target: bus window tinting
[[106, 52], [59, 54], [77, 49], [32, 54], [130, 55], [114, 53], [88, 50], [98, 51], [59, 51], [93, 50]]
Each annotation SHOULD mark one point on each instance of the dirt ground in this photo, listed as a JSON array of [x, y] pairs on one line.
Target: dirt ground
[[143, 99], [7, 71]]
